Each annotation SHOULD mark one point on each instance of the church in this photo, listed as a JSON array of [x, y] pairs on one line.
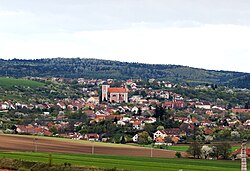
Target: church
[[114, 94]]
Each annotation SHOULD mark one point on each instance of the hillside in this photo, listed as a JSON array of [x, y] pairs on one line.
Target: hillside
[[94, 68], [11, 82]]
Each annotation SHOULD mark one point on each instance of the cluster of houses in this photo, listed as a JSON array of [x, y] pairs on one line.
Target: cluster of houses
[[125, 106]]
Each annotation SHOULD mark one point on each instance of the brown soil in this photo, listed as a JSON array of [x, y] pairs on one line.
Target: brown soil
[[21, 143]]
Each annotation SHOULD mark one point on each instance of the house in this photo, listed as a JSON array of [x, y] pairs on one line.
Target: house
[[135, 109], [135, 98], [247, 123], [4, 106], [150, 120], [122, 123], [238, 152], [138, 125], [160, 141], [178, 104], [240, 110], [94, 100], [91, 137], [61, 105], [203, 105], [133, 86], [75, 136], [21, 129], [171, 132], [168, 104], [168, 84], [135, 138], [174, 104], [100, 117], [114, 94]]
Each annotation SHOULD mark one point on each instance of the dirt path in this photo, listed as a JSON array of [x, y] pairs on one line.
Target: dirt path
[[22, 143]]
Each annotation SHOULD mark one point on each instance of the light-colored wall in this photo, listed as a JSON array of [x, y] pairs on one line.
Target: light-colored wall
[[105, 92]]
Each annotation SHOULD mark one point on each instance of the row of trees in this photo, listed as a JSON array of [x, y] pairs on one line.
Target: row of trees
[[218, 150]]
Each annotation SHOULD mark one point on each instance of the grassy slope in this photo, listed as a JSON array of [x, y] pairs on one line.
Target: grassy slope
[[10, 82], [132, 163]]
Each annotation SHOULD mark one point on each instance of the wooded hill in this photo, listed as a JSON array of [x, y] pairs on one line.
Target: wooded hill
[[95, 68]]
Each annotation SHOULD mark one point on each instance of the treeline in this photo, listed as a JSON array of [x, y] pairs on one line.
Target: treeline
[[103, 69]]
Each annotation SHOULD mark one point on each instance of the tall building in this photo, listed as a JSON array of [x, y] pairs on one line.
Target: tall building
[[114, 94]]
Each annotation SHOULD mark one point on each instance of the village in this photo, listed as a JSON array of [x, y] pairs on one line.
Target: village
[[128, 112]]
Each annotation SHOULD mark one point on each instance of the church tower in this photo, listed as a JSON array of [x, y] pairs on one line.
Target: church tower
[[105, 92]]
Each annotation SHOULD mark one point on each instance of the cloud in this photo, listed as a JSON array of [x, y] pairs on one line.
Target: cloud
[[206, 34], [208, 46], [11, 13]]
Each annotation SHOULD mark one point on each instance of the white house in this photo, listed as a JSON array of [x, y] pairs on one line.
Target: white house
[[135, 138], [135, 109], [203, 105]]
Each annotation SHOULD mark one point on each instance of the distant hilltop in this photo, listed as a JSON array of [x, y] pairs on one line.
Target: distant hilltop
[[103, 69]]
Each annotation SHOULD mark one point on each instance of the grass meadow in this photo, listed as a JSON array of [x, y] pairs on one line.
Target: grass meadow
[[10, 82], [184, 148], [127, 162]]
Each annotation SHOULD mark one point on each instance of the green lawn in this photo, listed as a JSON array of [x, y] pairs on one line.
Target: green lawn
[[131, 163], [184, 148], [178, 148], [10, 82]]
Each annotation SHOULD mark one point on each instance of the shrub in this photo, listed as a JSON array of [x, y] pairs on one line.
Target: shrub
[[178, 154]]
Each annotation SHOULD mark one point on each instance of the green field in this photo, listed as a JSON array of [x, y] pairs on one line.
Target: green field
[[178, 148], [130, 163], [11, 82], [184, 148]]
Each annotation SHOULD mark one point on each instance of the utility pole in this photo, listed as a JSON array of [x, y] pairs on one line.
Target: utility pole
[[243, 156], [35, 144], [93, 148], [151, 150]]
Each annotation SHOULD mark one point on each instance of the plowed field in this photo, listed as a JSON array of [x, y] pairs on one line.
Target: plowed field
[[24, 143]]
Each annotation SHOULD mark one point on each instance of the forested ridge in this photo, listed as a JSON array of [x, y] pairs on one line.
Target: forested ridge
[[103, 69]]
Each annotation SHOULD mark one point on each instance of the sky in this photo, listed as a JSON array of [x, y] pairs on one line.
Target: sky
[[209, 34]]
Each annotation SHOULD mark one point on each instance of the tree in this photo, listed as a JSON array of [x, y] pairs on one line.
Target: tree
[[149, 128], [160, 127], [53, 129], [215, 152], [235, 135], [139, 112], [229, 106], [247, 105], [122, 139], [195, 149], [208, 139], [159, 112], [206, 151], [144, 138], [223, 149]]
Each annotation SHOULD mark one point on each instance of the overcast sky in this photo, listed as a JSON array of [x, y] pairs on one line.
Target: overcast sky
[[210, 34]]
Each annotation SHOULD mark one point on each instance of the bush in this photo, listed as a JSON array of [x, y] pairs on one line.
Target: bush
[[178, 154]]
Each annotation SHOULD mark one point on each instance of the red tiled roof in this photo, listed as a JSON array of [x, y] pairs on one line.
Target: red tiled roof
[[238, 151], [117, 90], [240, 110]]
